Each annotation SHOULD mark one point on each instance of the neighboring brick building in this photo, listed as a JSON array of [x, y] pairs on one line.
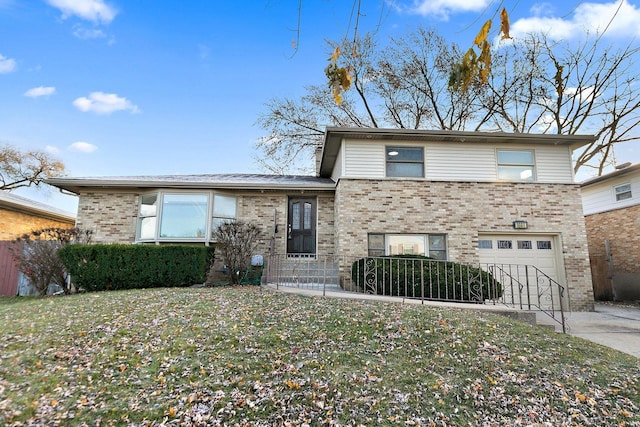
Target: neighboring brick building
[[611, 205], [19, 215], [494, 199]]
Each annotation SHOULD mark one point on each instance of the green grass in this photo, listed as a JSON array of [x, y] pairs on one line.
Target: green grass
[[246, 356]]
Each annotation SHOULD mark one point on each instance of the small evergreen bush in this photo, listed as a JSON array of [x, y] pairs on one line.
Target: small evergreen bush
[[111, 267], [415, 276]]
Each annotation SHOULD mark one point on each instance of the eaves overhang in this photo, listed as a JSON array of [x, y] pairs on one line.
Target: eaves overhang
[[334, 136], [240, 182], [31, 207], [615, 174]]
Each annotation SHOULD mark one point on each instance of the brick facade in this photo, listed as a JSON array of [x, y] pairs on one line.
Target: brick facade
[[458, 209], [621, 229], [462, 210], [110, 216], [14, 224], [265, 208]]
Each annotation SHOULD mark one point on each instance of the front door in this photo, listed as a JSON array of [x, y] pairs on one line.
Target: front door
[[301, 226]]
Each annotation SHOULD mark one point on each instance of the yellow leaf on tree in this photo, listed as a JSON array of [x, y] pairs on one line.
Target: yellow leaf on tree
[[336, 54], [484, 32], [504, 24]]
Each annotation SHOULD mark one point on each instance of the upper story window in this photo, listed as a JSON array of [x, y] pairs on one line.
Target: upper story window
[[405, 162], [623, 192], [516, 165], [182, 216]]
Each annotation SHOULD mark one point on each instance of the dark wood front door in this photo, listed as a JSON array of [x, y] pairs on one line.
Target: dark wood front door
[[301, 226]]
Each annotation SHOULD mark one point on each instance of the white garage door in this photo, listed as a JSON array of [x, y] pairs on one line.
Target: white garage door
[[507, 255]]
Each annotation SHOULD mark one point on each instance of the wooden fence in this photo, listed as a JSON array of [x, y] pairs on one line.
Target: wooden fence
[[8, 271], [601, 277]]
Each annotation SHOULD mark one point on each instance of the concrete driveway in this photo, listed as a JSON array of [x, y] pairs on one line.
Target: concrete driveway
[[612, 325]]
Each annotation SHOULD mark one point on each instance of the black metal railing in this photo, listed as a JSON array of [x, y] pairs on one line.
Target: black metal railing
[[524, 287]]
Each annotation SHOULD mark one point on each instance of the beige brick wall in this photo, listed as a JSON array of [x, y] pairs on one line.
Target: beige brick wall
[[14, 224], [110, 216], [267, 209], [462, 210], [621, 227]]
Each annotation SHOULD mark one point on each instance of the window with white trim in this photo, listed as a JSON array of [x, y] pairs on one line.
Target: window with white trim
[[183, 216], [516, 165], [431, 245], [623, 192], [147, 216], [224, 210], [405, 162]]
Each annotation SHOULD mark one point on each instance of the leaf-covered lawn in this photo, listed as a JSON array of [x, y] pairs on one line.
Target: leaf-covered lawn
[[246, 356]]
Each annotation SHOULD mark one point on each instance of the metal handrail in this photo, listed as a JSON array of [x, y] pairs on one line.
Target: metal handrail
[[525, 287]]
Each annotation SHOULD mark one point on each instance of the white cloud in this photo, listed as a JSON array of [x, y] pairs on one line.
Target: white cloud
[[443, 8], [35, 92], [586, 94], [83, 147], [88, 33], [7, 65], [616, 18], [104, 103], [52, 150], [96, 11]]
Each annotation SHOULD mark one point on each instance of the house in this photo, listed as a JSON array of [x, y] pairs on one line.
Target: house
[[611, 205], [471, 197], [19, 215]]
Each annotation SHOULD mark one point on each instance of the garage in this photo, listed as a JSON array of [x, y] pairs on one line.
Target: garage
[[509, 257]]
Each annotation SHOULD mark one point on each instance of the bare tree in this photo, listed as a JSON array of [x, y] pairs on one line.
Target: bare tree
[[535, 86], [36, 255], [552, 87], [236, 242], [26, 168]]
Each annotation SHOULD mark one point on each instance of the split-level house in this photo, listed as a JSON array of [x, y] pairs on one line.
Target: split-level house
[[611, 205], [469, 197]]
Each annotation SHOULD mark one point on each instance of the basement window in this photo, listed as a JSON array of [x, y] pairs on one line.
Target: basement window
[[431, 245]]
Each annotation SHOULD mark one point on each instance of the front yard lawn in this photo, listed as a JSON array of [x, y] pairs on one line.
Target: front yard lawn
[[247, 356]]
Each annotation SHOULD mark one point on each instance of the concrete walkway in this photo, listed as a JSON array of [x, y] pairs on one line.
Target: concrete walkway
[[610, 325]]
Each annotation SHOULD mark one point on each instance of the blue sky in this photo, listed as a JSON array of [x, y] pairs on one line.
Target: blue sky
[[137, 87]]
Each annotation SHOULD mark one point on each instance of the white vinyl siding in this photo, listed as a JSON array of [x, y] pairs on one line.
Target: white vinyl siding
[[364, 159], [553, 164], [460, 162], [470, 162], [601, 196]]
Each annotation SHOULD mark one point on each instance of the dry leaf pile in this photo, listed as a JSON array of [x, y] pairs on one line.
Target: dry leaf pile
[[248, 357]]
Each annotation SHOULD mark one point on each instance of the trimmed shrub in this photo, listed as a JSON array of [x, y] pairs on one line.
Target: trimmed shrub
[[415, 276], [111, 267]]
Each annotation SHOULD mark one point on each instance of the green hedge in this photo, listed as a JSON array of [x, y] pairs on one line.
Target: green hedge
[[416, 276], [110, 267]]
